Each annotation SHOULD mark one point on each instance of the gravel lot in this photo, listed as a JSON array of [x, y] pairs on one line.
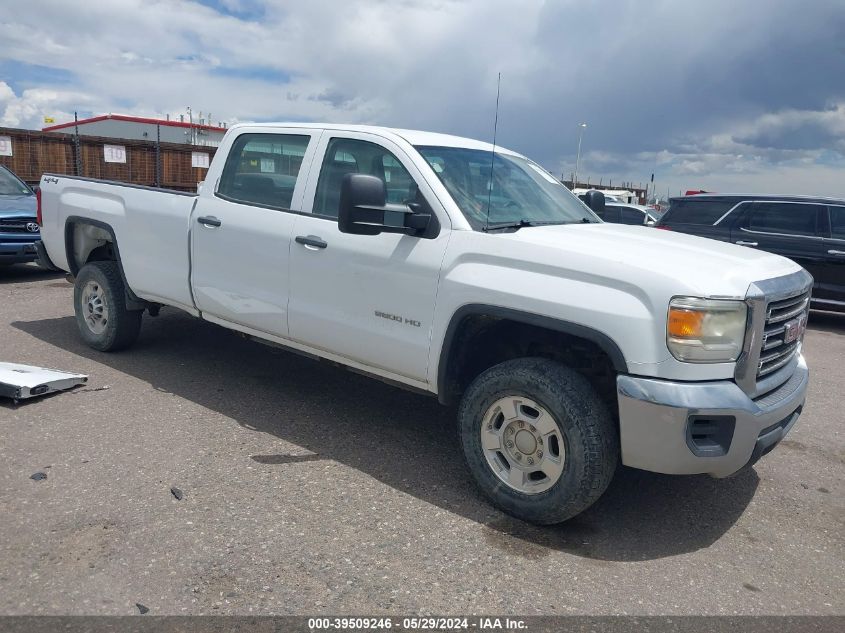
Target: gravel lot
[[311, 490]]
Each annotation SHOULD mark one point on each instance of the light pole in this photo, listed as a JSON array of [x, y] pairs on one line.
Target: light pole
[[578, 156]]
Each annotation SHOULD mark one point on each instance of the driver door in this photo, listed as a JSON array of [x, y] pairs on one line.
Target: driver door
[[367, 298]]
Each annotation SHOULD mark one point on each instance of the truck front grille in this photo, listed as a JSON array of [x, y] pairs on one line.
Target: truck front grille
[[776, 352], [16, 226], [777, 315]]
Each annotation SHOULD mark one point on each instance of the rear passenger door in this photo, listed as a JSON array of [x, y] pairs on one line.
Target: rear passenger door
[[784, 228], [241, 231], [830, 283]]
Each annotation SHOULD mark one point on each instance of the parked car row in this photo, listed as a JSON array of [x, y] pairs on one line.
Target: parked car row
[[809, 231]]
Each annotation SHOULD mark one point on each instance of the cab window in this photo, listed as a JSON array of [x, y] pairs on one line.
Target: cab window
[[351, 156], [262, 169]]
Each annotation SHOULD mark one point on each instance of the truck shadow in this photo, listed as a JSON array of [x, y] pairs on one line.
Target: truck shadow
[[405, 440], [21, 273]]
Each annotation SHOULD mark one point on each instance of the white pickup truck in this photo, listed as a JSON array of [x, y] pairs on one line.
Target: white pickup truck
[[432, 262]]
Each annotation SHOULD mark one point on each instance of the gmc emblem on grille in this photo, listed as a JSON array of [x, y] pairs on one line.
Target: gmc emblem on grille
[[793, 329]]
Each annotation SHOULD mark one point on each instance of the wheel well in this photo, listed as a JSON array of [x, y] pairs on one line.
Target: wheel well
[[94, 241], [480, 341], [88, 242]]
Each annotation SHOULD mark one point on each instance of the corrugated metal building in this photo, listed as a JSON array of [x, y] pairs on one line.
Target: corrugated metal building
[[142, 129]]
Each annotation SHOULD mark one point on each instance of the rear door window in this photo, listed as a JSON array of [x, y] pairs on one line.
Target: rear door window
[[632, 216], [262, 169], [783, 218], [837, 222], [611, 213], [693, 211]]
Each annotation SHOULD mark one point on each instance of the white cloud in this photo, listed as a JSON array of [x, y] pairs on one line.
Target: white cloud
[[30, 107], [694, 91]]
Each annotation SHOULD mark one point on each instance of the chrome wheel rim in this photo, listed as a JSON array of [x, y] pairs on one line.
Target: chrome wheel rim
[[95, 310], [523, 444]]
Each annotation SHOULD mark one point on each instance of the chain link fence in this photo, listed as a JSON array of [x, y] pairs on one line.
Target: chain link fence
[[30, 153]]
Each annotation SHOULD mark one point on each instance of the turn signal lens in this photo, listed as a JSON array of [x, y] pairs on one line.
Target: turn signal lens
[[684, 323], [705, 330]]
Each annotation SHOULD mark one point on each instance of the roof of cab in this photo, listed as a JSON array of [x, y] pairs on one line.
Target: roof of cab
[[414, 137]]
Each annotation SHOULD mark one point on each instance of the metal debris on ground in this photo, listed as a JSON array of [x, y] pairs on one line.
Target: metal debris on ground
[[141, 608], [38, 476], [19, 382], [176, 493]]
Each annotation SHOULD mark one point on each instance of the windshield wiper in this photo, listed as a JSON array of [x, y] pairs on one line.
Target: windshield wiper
[[518, 224]]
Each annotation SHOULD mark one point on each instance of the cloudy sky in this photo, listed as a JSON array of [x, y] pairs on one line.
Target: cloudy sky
[[714, 94]]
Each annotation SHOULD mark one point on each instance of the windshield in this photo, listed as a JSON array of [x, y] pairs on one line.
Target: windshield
[[11, 186], [522, 191]]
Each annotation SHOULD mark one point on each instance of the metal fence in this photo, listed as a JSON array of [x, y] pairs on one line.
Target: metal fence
[[168, 165]]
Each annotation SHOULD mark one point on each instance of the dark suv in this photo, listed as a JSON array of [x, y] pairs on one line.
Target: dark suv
[[810, 231]]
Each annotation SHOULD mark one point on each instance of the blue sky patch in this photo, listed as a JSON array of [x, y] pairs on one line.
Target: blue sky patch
[[254, 73], [20, 75], [247, 10]]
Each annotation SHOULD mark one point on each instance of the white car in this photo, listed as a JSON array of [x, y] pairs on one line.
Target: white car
[[420, 259], [625, 213]]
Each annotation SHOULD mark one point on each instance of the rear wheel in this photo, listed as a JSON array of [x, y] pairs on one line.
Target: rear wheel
[[99, 298], [538, 440]]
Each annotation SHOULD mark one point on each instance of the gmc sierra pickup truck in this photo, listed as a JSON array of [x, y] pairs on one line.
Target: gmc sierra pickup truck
[[469, 272]]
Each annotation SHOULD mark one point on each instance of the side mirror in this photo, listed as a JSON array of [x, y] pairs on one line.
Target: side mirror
[[595, 200], [364, 209]]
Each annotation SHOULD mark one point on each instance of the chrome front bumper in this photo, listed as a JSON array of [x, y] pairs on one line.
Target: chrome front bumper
[[706, 427]]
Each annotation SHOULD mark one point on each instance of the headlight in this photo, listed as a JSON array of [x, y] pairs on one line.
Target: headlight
[[705, 330]]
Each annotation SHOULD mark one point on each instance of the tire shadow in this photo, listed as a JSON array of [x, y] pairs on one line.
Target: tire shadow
[[405, 440]]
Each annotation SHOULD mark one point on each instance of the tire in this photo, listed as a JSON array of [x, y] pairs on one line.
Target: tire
[[575, 441], [99, 300]]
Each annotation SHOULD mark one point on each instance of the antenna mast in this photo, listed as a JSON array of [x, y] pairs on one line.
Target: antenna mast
[[493, 154]]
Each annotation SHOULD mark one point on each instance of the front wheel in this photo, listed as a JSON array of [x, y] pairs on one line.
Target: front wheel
[[538, 440], [99, 299]]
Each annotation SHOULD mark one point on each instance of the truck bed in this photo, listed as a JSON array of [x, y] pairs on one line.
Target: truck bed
[[149, 225]]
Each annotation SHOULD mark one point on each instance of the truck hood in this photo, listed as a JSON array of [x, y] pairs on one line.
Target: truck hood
[[638, 254], [17, 206]]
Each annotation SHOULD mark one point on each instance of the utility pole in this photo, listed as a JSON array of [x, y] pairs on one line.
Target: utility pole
[[76, 149], [158, 155], [578, 155]]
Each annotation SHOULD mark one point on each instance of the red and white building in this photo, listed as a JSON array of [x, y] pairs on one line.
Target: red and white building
[[144, 129]]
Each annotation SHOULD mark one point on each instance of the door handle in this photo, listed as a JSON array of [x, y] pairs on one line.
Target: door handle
[[835, 252], [209, 222], [311, 242], [744, 243]]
